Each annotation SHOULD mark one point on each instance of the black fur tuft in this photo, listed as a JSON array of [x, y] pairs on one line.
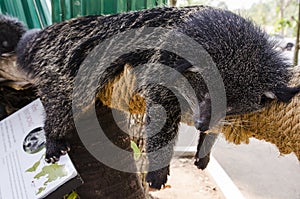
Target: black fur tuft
[[11, 31]]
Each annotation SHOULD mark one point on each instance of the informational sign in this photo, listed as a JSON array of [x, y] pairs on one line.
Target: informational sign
[[24, 173]]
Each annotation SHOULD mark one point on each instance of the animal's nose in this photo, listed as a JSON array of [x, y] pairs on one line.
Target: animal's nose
[[201, 125]]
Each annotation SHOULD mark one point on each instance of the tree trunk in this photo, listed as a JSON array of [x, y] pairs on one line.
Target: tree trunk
[[283, 4], [101, 181], [282, 15], [173, 2], [296, 53]]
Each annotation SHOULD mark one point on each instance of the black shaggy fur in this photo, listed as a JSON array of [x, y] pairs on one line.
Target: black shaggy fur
[[11, 31], [243, 54]]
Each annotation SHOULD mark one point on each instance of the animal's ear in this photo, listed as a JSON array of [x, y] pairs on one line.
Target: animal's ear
[[285, 94]]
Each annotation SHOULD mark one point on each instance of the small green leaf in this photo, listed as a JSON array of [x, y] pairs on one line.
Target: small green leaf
[[73, 195], [136, 150]]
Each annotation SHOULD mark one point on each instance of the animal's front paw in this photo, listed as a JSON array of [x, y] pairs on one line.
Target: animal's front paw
[[202, 163], [54, 149], [158, 178]]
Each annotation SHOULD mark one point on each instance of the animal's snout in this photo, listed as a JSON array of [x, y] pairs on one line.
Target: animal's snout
[[201, 125]]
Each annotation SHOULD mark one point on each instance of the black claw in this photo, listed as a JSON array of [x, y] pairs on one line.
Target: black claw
[[55, 149]]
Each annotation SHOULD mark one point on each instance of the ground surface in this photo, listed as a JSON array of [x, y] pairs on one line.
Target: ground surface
[[258, 170], [187, 181]]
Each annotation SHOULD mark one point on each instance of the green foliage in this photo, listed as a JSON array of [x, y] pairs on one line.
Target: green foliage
[[284, 23], [262, 13], [276, 16], [136, 150], [73, 195], [286, 12]]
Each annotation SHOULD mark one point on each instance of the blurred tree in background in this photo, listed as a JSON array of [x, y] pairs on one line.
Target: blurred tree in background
[[278, 17], [275, 16], [286, 9]]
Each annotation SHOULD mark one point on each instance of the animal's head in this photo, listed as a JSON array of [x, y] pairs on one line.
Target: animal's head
[[253, 72], [11, 31], [202, 116]]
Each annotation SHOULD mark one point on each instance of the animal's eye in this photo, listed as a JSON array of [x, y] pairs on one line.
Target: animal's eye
[[5, 43]]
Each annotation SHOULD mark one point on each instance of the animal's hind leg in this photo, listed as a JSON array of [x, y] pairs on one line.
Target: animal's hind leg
[[163, 117]]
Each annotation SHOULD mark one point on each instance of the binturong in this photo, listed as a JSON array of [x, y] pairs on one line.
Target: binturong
[[253, 72]]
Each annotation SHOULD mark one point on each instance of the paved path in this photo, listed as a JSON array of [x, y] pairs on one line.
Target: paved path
[[188, 182], [259, 171]]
